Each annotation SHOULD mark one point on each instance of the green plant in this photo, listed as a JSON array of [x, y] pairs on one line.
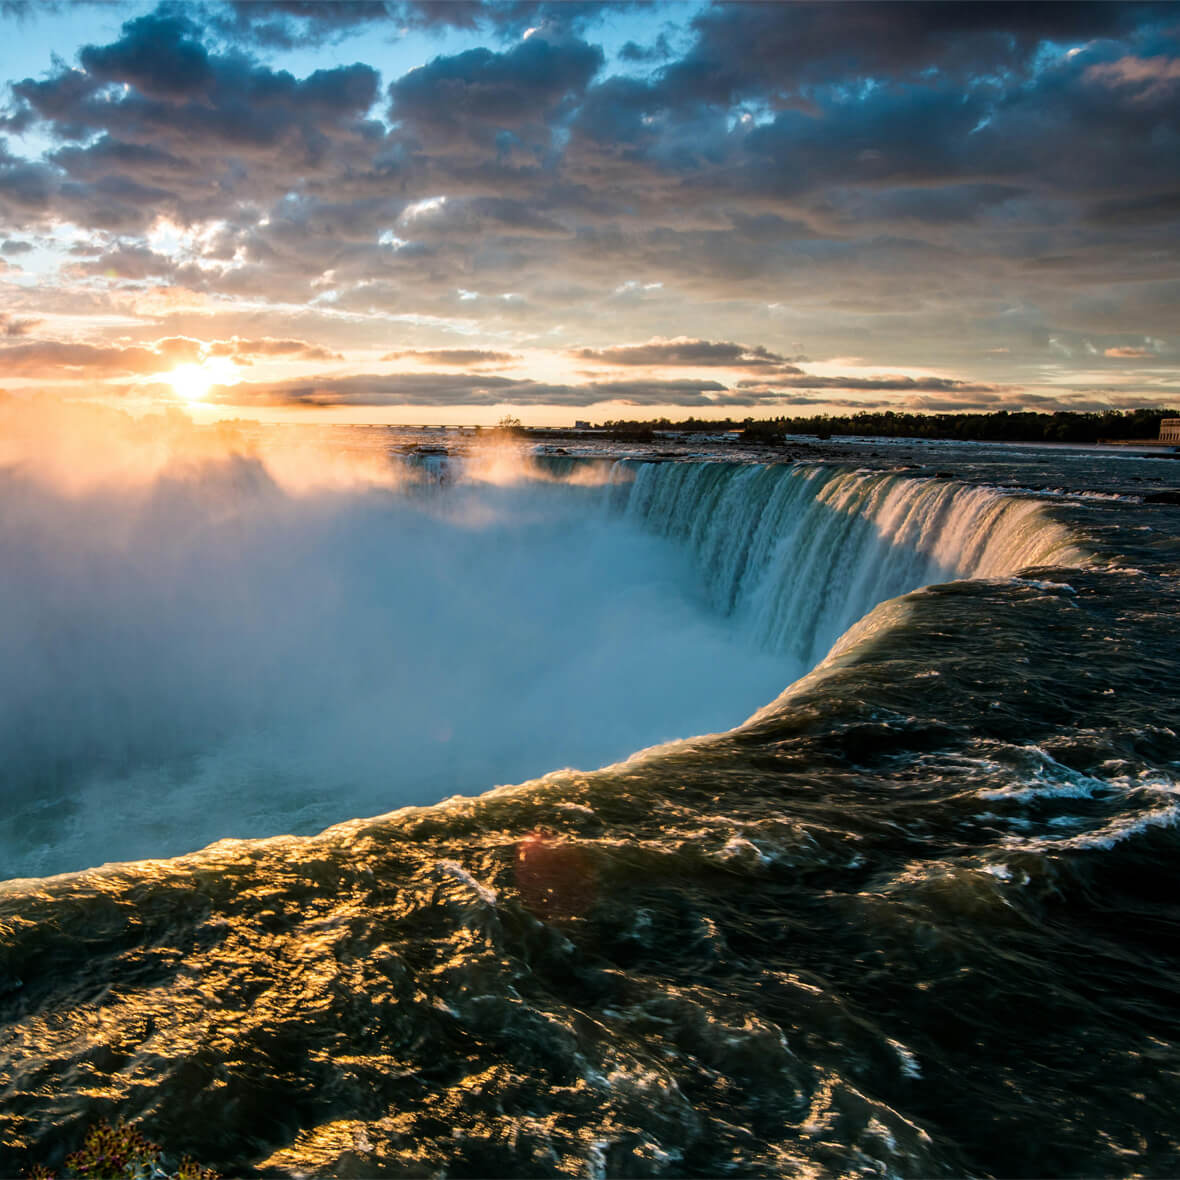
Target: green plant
[[121, 1152]]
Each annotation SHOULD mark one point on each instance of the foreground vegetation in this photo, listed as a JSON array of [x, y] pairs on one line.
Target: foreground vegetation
[[997, 426], [121, 1153]]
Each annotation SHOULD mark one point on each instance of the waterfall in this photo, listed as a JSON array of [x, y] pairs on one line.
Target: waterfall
[[799, 553]]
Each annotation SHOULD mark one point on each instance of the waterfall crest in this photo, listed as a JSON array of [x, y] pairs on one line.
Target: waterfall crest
[[799, 553]]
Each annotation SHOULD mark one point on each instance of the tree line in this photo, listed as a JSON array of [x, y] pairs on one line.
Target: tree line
[[1068, 426]]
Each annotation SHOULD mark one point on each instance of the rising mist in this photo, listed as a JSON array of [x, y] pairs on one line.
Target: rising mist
[[206, 637]]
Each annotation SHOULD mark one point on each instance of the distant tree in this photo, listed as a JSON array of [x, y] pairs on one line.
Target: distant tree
[[995, 426], [510, 426]]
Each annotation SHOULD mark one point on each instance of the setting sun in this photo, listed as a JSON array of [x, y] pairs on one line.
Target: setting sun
[[192, 382]]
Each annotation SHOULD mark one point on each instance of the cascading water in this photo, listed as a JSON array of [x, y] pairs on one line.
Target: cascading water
[[798, 554], [380, 649]]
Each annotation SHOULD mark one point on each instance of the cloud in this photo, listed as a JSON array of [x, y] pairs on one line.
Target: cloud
[[485, 95], [42, 358], [1138, 210], [779, 49], [11, 326], [25, 188], [157, 123], [177, 350], [917, 184], [685, 351], [1147, 79], [129, 261], [948, 204], [465, 357], [457, 389], [158, 54], [245, 350], [1128, 353], [878, 384], [659, 50], [291, 24], [108, 153], [930, 116]]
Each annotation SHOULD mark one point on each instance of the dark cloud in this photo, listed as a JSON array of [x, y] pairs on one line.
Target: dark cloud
[[909, 97], [1141, 210], [778, 50], [171, 127], [876, 384], [430, 389], [107, 153], [1079, 401], [127, 261], [479, 93], [949, 204], [441, 221], [11, 326], [158, 54], [559, 17], [286, 24], [688, 352], [290, 24], [465, 357], [447, 390], [457, 389], [25, 188], [659, 50], [24, 11]]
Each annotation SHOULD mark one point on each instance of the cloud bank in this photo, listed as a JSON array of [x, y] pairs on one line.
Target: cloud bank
[[985, 192]]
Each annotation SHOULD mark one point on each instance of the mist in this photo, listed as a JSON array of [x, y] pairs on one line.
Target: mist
[[205, 638]]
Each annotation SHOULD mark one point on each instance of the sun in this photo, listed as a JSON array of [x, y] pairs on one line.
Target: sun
[[192, 382]]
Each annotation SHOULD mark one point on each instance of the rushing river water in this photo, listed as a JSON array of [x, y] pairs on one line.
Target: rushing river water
[[915, 916]]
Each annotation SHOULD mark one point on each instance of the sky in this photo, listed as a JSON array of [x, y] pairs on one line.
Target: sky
[[419, 212]]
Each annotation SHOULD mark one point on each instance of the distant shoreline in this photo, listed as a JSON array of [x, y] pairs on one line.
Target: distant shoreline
[[1137, 427], [745, 441]]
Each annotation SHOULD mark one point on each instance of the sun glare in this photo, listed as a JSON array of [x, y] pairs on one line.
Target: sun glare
[[192, 382]]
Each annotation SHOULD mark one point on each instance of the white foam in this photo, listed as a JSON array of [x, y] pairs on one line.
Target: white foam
[[1050, 779], [1111, 834], [484, 892], [910, 1066]]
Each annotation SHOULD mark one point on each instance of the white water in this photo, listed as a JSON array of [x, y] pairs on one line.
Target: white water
[[795, 555], [208, 654]]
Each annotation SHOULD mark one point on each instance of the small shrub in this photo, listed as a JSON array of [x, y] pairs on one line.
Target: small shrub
[[121, 1152]]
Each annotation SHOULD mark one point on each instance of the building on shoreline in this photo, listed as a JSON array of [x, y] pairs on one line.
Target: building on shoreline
[[1170, 430]]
